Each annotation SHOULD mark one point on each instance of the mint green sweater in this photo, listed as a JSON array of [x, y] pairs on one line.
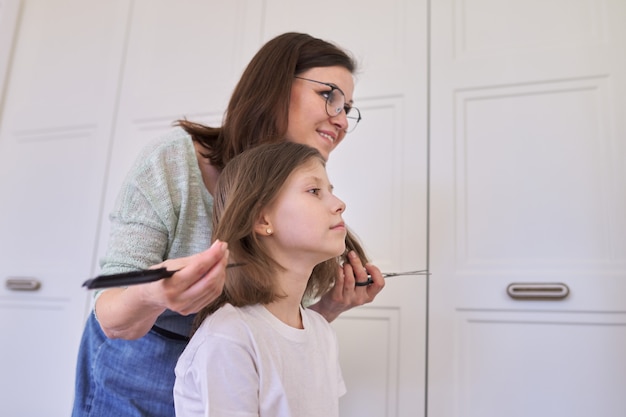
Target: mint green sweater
[[163, 211]]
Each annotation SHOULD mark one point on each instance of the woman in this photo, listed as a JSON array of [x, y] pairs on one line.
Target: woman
[[297, 88]]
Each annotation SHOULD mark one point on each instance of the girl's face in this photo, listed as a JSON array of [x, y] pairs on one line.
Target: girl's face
[[306, 219], [309, 123]]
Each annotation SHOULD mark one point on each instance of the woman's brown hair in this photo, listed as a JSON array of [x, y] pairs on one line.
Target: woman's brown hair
[[248, 184], [258, 110]]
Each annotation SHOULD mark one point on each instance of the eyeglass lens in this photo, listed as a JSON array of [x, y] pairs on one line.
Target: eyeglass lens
[[336, 102]]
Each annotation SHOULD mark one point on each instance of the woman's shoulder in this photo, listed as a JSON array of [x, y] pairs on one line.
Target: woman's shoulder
[[174, 145], [157, 180], [170, 159]]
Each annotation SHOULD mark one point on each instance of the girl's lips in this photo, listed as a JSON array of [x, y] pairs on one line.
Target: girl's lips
[[339, 226]]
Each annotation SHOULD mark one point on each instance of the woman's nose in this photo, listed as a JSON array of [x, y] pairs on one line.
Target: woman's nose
[[340, 120]]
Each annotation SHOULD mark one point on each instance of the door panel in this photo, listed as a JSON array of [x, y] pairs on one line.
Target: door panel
[[55, 129], [528, 186], [373, 334], [519, 364]]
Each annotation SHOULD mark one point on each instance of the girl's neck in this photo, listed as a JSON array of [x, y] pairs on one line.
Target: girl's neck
[[287, 308]]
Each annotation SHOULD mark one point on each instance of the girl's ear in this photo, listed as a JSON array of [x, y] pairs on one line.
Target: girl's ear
[[263, 226]]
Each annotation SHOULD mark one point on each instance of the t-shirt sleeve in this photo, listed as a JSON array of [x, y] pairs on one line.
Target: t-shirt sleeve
[[219, 380]]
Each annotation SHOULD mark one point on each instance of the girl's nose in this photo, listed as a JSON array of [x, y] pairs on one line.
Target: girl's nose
[[341, 206]]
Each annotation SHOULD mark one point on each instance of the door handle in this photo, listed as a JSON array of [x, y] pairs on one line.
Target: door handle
[[538, 291], [23, 284]]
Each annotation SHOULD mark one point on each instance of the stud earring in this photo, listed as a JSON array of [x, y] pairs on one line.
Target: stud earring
[[269, 231]]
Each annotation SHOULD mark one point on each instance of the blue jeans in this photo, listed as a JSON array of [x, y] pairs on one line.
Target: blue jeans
[[122, 378]]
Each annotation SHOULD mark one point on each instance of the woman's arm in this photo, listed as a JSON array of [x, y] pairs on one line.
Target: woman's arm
[[160, 213], [129, 313]]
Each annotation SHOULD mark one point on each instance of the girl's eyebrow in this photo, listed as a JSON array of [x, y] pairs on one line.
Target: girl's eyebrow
[[318, 180]]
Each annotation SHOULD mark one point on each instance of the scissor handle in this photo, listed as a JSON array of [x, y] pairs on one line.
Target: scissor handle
[[365, 283]]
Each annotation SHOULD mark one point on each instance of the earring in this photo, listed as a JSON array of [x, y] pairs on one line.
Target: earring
[[269, 231]]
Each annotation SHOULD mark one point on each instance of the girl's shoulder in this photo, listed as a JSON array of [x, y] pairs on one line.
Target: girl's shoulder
[[228, 321], [314, 317]]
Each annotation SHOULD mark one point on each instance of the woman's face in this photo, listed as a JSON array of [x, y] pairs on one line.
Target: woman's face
[[309, 123]]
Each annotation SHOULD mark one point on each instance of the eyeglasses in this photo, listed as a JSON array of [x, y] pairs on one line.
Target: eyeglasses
[[336, 102]]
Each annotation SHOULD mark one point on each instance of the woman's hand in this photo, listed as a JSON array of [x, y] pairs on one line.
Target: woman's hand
[[198, 280], [346, 294], [129, 313]]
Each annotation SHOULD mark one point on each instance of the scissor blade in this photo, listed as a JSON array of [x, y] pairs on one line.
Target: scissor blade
[[398, 274]]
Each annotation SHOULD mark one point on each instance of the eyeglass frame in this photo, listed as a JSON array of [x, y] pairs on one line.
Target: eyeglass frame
[[350, 108]]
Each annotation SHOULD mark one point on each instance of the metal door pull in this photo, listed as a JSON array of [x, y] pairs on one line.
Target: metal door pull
[[23, 284], [538, 291]]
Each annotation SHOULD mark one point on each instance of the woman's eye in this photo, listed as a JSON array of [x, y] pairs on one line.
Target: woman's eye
[[315, 191], [326, 94], [347, 109]]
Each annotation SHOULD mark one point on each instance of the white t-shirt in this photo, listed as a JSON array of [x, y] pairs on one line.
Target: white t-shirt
[[245, 362]]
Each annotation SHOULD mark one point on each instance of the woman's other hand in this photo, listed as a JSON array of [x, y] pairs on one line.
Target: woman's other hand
[[346, 294]]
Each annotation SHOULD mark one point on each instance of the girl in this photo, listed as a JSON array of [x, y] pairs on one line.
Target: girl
[[257, 351]]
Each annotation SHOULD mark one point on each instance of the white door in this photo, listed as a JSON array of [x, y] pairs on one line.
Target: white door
[[54, 133], [88, 85], [178, 65], [528, 186]]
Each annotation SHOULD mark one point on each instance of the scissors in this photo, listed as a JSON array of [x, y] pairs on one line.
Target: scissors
[[132, 278], [391, 274]]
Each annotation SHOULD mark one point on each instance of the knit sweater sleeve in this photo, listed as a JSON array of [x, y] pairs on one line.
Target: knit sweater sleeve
[[162, 210]]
